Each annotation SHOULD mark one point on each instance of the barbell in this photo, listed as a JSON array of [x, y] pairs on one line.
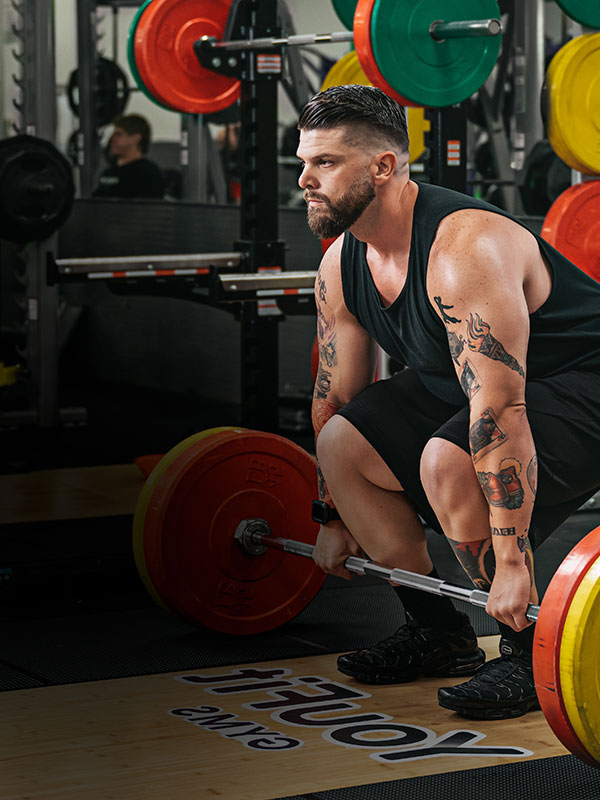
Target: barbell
[[421, 52], [204, 545]]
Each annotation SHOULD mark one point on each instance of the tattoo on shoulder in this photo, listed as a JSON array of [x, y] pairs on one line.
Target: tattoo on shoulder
[[469, 379], [480, 340], [321, 289], [485, 435], [503, 489], [445, 317], [323, 383], [532, 474]]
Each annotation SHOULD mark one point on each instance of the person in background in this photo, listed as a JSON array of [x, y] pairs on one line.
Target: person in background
[[131, 174]]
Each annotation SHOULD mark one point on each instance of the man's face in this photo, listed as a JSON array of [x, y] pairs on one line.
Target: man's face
[[336, 181], [123, 143]]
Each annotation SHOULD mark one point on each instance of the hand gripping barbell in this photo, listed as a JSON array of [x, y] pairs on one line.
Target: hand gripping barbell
[[424, 53], [228, 486]]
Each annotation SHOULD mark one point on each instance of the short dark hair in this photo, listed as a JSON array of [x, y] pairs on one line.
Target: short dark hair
[[357, 106], [135, 123]]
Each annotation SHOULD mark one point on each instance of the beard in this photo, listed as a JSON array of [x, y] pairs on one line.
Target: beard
[[334, 219]]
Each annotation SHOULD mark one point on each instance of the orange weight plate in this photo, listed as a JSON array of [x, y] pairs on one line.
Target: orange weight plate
[[165, 58], [548, 636], [364, 50], [192, 558], [572, 226]]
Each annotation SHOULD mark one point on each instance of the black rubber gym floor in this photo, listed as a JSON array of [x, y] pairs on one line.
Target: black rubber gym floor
[[125, 634]]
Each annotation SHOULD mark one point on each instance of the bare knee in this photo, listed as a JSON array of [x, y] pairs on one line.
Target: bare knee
[[447, 473]]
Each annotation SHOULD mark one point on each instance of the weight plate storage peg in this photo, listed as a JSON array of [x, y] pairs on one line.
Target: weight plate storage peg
[[36, 189], [164, 39], [572, 226], [192, 512], [422, 68]]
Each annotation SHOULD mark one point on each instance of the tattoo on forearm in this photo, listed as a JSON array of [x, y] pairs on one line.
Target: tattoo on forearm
[[469, 379], [532, 474], [457, 345], [477, 560], [323, 383], [321, 484], [485, 435], [480, 340], [445, 317], [329, 353], [503, 489], [503, 531], [527, 550], [321, 289]]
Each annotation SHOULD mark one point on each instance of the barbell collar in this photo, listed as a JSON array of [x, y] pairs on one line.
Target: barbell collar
[[251, 533], [439, 30]]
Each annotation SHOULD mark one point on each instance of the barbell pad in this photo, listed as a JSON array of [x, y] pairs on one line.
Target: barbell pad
[[146, 497], [164, 54], [572, 226], [426, 71], [192, 558]]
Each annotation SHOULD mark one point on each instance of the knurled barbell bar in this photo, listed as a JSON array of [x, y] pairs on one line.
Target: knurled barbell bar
[[255, 537], [228, 485], [423, 52]]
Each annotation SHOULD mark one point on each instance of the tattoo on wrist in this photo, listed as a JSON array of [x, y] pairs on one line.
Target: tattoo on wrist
[[477, 560], [321, 484], [480, 340], [485, 435]]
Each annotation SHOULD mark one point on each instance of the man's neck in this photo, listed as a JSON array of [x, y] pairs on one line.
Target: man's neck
[[386, 225], [128, 158]]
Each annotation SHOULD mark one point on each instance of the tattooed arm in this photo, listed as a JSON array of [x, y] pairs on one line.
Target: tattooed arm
[[346, 352], [477, 285]]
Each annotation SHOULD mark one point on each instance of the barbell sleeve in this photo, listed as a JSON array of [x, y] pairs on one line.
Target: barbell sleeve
[[399, 577], [463, 29]]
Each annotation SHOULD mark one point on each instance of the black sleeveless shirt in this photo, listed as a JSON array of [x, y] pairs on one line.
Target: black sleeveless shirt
[[564, 331]]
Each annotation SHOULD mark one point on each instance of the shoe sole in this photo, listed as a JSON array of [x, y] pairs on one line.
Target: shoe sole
[[459, 670], [502, 712]]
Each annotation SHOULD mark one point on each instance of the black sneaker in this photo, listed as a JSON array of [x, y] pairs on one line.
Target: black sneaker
[[501, 689], [414, 650]]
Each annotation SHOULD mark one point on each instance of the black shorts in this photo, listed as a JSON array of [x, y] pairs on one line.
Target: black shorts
[[399, 415]]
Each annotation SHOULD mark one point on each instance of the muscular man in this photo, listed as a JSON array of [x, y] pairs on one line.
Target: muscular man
[[490, 433]]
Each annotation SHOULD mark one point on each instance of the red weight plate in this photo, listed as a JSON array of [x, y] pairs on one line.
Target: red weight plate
[[165, 58], [572, 225], [362, 43], [548, 635], [191, 555]]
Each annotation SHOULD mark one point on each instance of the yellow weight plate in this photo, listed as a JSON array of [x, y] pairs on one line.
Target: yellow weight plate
[[348, 71], [575, 103], [555, 121], [580, 662], [144, 501]]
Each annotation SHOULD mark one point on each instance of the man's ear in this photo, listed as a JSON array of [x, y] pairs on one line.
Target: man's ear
[[384, 165]]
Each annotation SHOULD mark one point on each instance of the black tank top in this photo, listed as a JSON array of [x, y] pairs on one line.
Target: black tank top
[[564, 332]]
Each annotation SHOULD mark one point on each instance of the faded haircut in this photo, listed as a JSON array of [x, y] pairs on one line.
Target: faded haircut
[[364, 109]]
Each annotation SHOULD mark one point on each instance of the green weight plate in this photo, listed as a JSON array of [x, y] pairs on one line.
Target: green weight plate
[[426, 71], [131, 57], [587, 12], [345, 10]]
